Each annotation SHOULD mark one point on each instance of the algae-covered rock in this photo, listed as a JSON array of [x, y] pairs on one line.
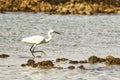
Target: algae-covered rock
[[110, 60], [45, 64], [95, 59], [31, 63]]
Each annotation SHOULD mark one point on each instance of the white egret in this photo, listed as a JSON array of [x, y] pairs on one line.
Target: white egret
[[36, 40]]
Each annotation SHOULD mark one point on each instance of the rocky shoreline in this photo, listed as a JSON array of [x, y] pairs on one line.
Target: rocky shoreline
[[87, 7], [48, 64]]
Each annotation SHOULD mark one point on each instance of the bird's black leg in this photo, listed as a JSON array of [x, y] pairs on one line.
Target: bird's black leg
[[32, 51], [34, 48]]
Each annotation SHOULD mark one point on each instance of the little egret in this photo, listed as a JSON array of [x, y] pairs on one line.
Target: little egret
[[36, 40]]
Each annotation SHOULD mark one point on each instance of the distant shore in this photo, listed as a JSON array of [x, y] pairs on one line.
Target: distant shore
[[87, 7]]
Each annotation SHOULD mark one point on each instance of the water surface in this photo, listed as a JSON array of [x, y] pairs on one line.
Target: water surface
[[82, 36]]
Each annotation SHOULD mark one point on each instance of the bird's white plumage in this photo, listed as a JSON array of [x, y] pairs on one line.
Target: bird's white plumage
[[34, 39]]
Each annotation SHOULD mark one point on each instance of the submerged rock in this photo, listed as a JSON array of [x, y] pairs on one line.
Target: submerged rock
[[58, 67], [71, 67], [81, 67], [23, 65], [61, 59], [74, 62], [85, 61], [4, 55]]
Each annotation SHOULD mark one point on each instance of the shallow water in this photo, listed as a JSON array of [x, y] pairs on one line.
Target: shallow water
[[81, 36]]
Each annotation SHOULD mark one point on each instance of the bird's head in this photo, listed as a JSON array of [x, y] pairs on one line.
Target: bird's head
[[53, 31]]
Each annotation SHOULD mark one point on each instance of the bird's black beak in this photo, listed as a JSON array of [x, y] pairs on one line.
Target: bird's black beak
[[56, 32]]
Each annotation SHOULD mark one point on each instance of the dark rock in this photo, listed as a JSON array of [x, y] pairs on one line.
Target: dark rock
[[74, 62], [61, 59], [95, 59], [71, 67], [81, 67], [4, 55], [110, 60], [23, 65], [85, 61], [30, 62], [45, 64]]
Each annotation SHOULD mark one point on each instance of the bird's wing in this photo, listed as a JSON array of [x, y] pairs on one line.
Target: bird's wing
[[34, 39]]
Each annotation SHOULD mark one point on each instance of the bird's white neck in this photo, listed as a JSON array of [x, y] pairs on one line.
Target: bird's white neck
[[49, 37]]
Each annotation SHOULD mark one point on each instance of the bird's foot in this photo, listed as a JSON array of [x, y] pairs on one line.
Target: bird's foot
[[42, 52], [33, 56]]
